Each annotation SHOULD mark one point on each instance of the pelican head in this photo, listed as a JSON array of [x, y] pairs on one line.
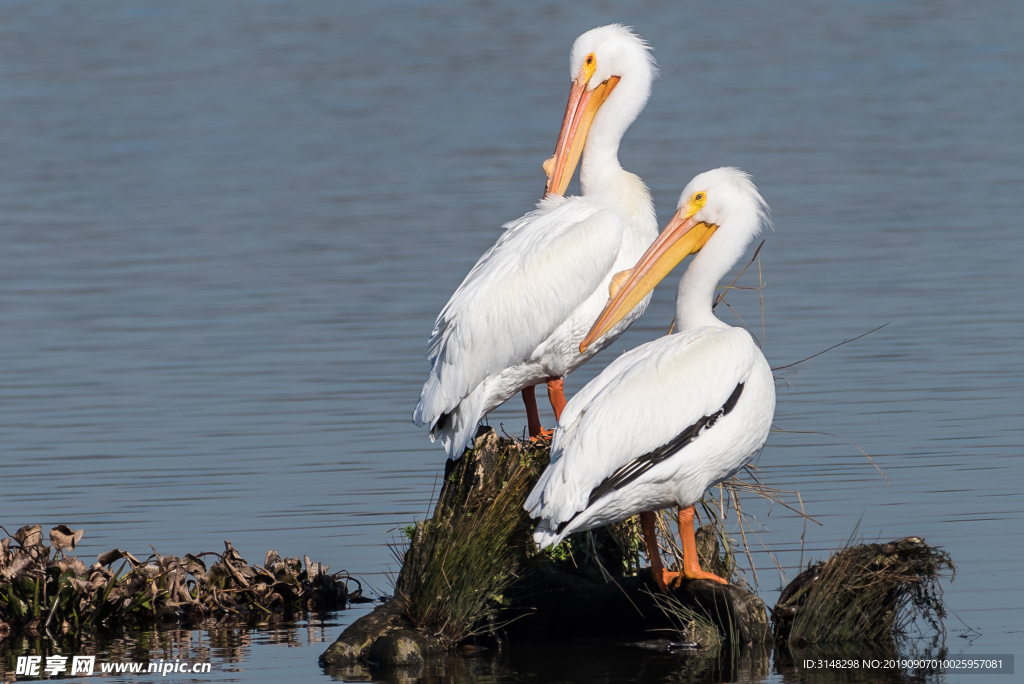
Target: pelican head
[[720, 211], [611, 70]]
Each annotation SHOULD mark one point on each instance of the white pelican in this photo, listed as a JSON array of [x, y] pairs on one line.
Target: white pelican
[[518, 318], [669, 419]]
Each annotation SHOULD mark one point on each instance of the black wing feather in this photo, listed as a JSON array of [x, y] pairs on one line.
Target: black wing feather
[[641, 464]]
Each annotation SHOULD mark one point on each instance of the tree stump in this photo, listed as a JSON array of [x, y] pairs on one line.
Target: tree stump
[[541, 598]]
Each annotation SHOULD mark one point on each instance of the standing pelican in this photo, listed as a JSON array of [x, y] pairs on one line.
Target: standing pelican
[[669, 419], [518, 318]]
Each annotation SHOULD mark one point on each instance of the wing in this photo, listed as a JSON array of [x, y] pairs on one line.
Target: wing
[[641, 409], [544, 266]]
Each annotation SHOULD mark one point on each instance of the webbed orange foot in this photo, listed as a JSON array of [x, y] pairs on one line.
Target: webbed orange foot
[[542, 435], [689, 574], [665, 579], [691, 566]]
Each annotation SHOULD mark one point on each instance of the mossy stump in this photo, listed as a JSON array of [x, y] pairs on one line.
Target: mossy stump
[[472, 575]]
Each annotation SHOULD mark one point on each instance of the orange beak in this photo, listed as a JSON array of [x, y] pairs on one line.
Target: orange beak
[[579, 115], [681, 237]]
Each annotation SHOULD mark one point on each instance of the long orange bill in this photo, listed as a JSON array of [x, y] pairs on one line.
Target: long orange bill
[[579, 115], [681, 237]]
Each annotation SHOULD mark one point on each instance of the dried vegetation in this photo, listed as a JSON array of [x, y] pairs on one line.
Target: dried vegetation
[[865, 593], [43, 590]]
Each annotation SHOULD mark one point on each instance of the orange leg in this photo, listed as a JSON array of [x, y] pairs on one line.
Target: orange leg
[[532, 416], [691, 564], [556, 395], [662, 577]]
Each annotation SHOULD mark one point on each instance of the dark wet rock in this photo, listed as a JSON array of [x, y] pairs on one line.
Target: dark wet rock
[[403, 648], [358, 637]]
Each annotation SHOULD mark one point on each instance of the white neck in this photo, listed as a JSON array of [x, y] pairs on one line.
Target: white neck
[[600, 167], [735, 206], [696, 290], [697, 286], [600, 170], [601, 175]]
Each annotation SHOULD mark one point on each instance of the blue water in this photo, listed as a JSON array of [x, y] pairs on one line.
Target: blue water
[[225, 230]]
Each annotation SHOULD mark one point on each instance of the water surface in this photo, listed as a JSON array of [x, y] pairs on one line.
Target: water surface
[[226, 232]]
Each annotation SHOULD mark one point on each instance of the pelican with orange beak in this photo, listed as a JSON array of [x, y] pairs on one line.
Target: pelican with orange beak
[[520, 315], [677, 415]]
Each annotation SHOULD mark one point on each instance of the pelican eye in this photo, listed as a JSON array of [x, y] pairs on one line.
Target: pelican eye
[[589, 67], [697, 203]]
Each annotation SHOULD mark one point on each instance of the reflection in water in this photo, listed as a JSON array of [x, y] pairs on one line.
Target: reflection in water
[[804, 665], [226, 647], [230, 648], [575, 661], [610, 661]]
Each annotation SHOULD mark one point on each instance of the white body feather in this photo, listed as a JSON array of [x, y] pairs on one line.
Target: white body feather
[[518, 318], [640, 402], [652, 394]]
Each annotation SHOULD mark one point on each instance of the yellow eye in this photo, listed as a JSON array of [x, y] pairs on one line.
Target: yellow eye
[[697, 203], [589, 67]]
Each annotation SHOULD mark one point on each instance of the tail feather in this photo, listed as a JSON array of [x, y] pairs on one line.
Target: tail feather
[[430, 407], [457, 427], [558, 519], [535, 501], [544, 536], [554, 499]]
